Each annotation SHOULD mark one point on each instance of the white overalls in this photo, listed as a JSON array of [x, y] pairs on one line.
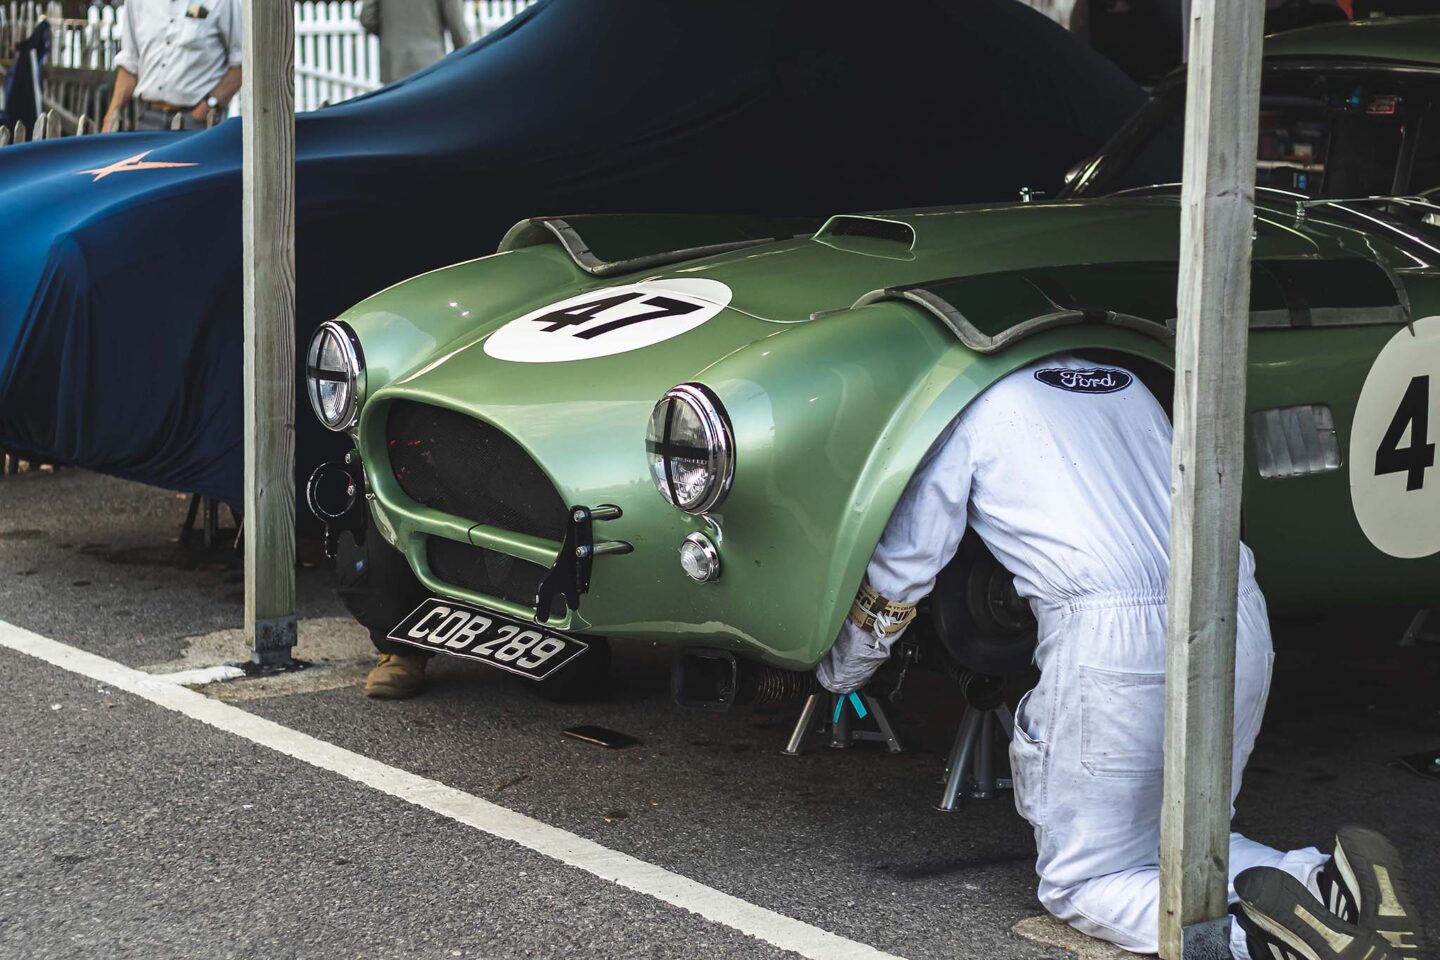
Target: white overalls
[[1063, 469]]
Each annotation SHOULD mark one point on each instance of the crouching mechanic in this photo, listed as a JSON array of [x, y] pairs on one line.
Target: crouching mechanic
[[1063, 470], [379, 589]]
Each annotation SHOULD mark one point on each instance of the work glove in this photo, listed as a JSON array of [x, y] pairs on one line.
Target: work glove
[[854, 659]]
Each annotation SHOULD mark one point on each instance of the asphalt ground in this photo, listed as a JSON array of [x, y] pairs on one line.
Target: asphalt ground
[[132, 830]]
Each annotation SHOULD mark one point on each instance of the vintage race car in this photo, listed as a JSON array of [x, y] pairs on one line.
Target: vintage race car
[[694, 429]]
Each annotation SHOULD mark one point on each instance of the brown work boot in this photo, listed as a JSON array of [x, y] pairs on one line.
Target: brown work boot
[[396, 676]]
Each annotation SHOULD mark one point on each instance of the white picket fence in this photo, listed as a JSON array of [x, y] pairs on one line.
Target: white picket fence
[[334, 58]]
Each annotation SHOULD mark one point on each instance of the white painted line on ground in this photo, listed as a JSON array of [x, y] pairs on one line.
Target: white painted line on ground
[[567, 848], [200, 676]]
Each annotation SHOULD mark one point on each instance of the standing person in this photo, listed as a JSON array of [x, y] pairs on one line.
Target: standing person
[[179, 58], [1063, 469], [412, 32]]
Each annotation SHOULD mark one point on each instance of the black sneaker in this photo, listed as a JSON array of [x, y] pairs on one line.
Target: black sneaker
[[1283, 921], [1364, 884]]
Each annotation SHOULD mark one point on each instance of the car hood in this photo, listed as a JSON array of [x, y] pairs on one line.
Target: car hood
[[774, 289]]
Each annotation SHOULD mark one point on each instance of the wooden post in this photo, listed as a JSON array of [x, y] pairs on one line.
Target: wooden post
[[1216, 224], [268, 144]]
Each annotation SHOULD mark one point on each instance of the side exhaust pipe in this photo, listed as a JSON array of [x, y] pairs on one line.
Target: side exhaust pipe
[[716, 680]]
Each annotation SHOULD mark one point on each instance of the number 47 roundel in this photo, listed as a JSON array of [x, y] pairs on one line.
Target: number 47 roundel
[[1395, 494], [608, 321]]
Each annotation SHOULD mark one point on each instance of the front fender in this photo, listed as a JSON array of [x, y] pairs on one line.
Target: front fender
[[832, 418], [408, 325]]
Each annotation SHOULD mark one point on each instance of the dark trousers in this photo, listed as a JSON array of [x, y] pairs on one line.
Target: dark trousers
[[378, 588]]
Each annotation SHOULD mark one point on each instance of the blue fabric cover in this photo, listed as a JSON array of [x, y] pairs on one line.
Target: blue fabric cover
[[120, 295]]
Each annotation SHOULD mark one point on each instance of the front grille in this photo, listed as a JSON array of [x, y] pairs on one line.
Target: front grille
[[467, 468], [484, 571]]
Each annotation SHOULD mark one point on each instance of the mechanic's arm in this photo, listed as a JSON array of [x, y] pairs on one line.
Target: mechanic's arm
[[455, 23], [922, 536], [127, 69]]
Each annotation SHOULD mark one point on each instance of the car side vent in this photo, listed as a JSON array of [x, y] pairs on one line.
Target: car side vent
[[872, 228], [1294, 441]]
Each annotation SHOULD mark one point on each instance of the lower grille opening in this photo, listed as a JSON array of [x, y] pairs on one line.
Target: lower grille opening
[[468, 468], [484, 571]]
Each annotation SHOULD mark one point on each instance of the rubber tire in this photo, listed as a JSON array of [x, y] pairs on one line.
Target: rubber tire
[[975, 642], [585, 678]]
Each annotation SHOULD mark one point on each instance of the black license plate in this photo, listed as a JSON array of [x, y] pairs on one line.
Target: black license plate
[[450, 627]]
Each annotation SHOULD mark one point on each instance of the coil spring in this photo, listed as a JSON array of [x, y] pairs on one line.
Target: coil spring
[[773, 685]]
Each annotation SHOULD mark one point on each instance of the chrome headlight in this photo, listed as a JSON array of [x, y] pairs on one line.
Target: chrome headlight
[[692, 450], [334, 375]]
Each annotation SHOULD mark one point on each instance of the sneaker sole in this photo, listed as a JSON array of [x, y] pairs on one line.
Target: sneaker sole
[[1361, 850], [1267, 895]]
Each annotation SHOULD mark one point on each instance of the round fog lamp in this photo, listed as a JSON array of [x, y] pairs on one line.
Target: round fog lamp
[[699, 558]]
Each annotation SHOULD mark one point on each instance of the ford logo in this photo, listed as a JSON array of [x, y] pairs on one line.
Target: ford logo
[[1088, 380]]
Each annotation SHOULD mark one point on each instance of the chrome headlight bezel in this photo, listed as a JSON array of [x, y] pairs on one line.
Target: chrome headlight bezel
[[719, 447], [350, 372]]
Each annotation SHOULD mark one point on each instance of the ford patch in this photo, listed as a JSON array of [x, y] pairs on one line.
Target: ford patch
[[1085, 380]]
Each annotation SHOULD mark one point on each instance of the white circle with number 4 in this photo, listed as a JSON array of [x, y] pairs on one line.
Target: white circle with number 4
[[609, 321], [1394, 480]]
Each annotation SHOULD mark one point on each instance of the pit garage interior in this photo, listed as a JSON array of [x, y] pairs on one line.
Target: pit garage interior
[[176, 786]]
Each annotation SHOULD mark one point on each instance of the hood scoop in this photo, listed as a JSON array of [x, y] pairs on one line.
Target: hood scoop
[[875, 236]]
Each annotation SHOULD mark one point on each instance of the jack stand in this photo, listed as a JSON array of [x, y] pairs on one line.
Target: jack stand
[[971, 767], [209, 525], [841, 732]]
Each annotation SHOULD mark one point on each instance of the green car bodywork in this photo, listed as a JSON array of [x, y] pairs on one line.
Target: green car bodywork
[[844, 351]]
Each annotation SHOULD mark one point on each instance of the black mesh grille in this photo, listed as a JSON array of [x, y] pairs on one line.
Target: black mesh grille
[[465, 467], [484, 571]]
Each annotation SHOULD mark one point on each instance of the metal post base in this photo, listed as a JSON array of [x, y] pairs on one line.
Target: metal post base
[[1206, 940], [273, 644], [839, 734], [971, 767]]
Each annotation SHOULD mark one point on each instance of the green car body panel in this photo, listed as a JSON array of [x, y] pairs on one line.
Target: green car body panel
[[841, 351], [834, 405], [1395, 40]]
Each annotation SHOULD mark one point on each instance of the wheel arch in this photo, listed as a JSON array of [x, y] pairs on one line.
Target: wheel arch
[[922, 417]]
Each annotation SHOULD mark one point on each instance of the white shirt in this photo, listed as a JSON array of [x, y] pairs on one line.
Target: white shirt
[[178, 54]]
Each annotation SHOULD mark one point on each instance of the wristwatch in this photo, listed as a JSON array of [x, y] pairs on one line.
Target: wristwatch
[[213, 102]]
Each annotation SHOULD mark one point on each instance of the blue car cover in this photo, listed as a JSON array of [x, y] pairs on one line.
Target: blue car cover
[[120, 262]]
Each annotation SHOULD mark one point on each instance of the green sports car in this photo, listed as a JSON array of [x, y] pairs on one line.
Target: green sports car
[[693, 429]]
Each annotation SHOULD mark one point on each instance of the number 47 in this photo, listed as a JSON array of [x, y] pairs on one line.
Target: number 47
[[1419, 456]]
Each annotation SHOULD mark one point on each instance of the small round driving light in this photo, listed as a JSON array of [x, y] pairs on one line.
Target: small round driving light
[[333, 372], [699, 558]]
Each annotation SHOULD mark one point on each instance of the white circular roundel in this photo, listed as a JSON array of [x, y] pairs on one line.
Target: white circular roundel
[[609, 321], [1394, 476]]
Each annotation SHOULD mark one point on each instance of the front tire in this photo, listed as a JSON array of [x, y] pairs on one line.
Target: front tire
[[982, 623]]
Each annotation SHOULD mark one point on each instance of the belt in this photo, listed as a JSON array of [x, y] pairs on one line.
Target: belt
[[165, 107]]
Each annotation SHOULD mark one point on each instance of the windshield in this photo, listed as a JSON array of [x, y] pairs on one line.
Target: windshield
[[1324, 136]]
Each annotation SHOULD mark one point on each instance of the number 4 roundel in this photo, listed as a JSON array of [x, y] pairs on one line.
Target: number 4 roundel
[[1394, 485]]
